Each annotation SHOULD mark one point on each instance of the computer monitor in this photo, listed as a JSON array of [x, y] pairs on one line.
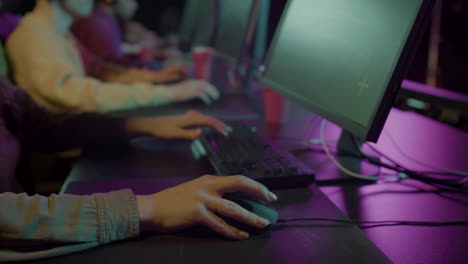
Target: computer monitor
[[345, 60], [205, 22], [236, 27], [197, 23], [187, 25]]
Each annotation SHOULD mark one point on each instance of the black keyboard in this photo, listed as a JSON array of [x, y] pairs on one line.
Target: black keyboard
[[243, 152]]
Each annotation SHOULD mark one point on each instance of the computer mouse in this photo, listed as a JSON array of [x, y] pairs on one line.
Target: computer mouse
[[255, 206]]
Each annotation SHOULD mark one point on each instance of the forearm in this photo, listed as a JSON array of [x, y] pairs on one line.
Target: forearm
[[76, 94], [45, 131], [98, 219], [129, 75], [49, 132]]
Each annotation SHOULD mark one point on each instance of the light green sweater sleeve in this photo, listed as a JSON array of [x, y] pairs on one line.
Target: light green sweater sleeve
[[79, 222], [49, 67]]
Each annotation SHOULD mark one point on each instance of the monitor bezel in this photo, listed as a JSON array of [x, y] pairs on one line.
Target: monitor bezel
[[371, 132]]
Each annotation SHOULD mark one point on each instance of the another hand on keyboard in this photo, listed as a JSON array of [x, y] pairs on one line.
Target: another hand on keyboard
[[195, 89], [170, 74], [176, 127]]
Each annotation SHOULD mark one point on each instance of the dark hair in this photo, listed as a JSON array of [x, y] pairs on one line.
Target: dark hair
[[25, 6], [11, 5]]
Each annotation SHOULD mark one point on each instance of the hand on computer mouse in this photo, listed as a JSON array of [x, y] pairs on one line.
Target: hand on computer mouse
[[176, 127], [200, 202], [195, 89]]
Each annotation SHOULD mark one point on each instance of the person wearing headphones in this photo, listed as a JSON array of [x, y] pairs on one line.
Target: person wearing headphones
[[109, 29], [46, 62]]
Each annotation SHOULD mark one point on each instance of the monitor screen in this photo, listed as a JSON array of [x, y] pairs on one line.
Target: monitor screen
[[233, 24], [204, 22], [343, 59], [187, 25], [196, 24]]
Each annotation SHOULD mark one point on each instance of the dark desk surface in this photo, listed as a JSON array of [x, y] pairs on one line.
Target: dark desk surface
[[300, 242], [156, 165], [421, 138]]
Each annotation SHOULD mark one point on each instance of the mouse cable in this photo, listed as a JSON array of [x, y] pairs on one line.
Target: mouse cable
[[368, 224]]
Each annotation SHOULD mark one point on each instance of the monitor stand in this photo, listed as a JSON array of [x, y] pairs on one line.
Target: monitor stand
[[349, 156]]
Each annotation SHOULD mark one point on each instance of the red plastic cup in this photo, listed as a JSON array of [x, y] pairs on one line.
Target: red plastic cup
[[146, 53], [273, 106], [202, 57]]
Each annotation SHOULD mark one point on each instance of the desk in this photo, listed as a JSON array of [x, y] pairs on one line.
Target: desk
[[430, 142], [427, 141], [420, 137], [302, 243]]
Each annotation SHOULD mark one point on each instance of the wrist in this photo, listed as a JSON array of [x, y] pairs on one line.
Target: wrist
[[148, 75], [145, 211], [171, 93], [156, 77], [135, 127], [175, 93]]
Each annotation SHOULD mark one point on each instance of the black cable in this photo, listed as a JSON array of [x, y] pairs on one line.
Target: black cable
[[402, 169], [423, 178], [442, 173], [455, 186], [379, 223], [399, 164], [381, 154], [449, 185], [413, 174], [445, 189], [376, 161]]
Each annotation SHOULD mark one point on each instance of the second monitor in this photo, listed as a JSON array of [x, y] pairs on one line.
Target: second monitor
[[345, 60]]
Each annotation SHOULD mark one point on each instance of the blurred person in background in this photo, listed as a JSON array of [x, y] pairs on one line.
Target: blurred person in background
[[135, 32], [46, 61], [110, 33]]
